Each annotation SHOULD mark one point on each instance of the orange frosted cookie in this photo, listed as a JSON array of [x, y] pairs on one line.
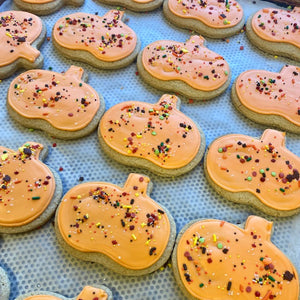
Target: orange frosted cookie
[[4, 285], [104, 42], [213, 18], [29, 190], [60, 104], [88, 293], [189, 68], [214, 259], [157, 136], [21, 33], [45, 7], [276, 31], [261, 173], [120, 228], [135, 5], [270, 98]]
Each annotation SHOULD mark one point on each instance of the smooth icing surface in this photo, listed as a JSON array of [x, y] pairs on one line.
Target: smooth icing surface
[[278, 25], [219, 260], [88, 293], [271, 93], [122, 223], [263, 167], [26, 185], [63, 100], [190, 62], [18, 30], [37, 1], [157, 132], [213, 13], [107, 37]]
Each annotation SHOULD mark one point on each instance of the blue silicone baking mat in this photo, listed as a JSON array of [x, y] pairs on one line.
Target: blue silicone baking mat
[[35, 261]]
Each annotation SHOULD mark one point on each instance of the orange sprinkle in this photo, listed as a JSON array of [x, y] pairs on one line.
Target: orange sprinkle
[[223, 168], [241, 288], [222, 223], [266, 296], [19, 181], [228, 146]]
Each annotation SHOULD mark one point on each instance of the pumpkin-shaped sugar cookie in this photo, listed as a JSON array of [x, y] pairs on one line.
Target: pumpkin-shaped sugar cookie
[[120, 228], [4, 285], [213, 18], [60, 104], [88, 293], [29, 190], [104, 42], [270, 98], [45, 7], [21, 33], [135, 5], [157, 136], [276, 31], [189, 68], [261, 173], [213, 259]]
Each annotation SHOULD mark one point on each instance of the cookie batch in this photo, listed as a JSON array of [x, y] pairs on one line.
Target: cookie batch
[[121, 227]]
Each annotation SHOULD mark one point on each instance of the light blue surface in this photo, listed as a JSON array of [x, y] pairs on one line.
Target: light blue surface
[[35, 261]]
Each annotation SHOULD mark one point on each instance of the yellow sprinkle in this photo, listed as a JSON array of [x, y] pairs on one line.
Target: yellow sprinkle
[[143, 225], [100, 48], [147, 243], [134, 237], [184, 50], [195, 240], [127, 206], [184, 11], [79, 197], [214, 237], [276, 56], [4, 156], [138, 136], [129, 151], [136, 194], [161, 268], [8, 34]]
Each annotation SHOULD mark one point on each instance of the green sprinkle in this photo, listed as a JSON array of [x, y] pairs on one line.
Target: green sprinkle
[[153, 133], [273, 174], [31, 129], [271, 278], [15, 86], [249, 178], [156, 152], [69, 235], [201, 285], [249, 158], [220, 150], [162, 48], [282, 190], [122, 34], [50, 68], [164, 56], [60, 26], [226, 73], [206, 77], [262, 258], [267, 169], [36, 198], [161, 117], [166, 106], [151, 110], [220, 246], [80, 84], [201, 240], [27, 145], [259, 16], [261, 171], [178, 68], [238, 156]]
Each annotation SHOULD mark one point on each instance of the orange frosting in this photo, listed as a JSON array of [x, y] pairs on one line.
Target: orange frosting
[[218, 260], [88, 293], [190, 62], [18, 30], [263, 167], [122, 223], [213, 13], [157, 132], [26, 185], [107, 37], [278, 25], [271, 93], [63, 100]]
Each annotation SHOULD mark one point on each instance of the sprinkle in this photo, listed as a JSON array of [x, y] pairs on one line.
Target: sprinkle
[[271, 278], [282, 190], [153, 133], [214, 237], [133, 236], [226, 72], [249, 178], [220, 150], [127, 206], [220, 245], [229, 285], [36, 198], [202, 240], [273, 174], [261, 171], [152, 250], [201, 285]]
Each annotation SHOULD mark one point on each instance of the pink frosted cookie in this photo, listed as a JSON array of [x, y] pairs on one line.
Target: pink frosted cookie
[[189, 68], [104, 42], [269, 98], [135, 5], [21, 33], [213, 18], [276, 31]]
